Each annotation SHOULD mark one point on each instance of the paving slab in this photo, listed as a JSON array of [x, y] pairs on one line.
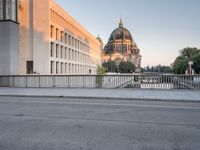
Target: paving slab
[[135, 94]]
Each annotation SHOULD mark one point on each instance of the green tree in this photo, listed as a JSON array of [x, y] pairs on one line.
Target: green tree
[[110, 66], [101, 70], [126, 67], [196, 65], [180, 65], [187, 54], [99, 78]]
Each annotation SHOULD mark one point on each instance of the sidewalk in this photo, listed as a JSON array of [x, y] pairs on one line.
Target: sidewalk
[[130, 94]]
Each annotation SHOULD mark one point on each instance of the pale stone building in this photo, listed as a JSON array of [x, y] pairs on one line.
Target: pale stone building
[[51, 41]]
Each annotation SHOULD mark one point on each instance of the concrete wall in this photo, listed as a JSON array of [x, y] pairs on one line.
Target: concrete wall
[[9, 48], [41, 43]]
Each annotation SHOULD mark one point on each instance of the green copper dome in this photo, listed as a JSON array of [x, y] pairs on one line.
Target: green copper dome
[[120, 33]]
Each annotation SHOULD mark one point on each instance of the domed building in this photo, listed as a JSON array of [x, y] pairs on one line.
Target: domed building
[[121, 47]]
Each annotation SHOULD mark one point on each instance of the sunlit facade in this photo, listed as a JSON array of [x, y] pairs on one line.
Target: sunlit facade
[[50, 40], [53, 42]]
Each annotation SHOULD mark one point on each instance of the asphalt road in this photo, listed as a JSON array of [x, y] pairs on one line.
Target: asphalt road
[[28, 123]]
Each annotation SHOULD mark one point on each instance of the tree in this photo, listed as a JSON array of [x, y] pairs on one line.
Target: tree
[[126, 67], [196, 65], [110, 66], [180, 65], [101, 70], [187, 54]]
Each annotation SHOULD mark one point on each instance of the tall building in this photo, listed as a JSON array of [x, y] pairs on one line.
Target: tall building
[[121, 47], [51, 41], [9, 38]]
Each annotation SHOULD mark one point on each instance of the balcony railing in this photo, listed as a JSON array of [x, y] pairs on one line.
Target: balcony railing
[[103, 81]]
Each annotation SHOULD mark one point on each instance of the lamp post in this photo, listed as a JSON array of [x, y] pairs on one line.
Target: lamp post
[[190, 63]]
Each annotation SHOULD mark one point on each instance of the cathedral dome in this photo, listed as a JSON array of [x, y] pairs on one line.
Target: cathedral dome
[[120, 33]]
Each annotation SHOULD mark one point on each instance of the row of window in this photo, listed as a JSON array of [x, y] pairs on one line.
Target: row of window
[[58, 19], [57, 51], [119, 47], [68, 68], [68, 39]]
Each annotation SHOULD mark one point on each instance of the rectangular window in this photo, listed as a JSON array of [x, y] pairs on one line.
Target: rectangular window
[[57, 34], [8, 9], [57, 67], [75, 43], [69, 69], [52, 49], [29, 67], [66, 38], [75, 56], [52, 31], [72, 41], [69, 56], [65, 68], [52, 67], [57, 50], [65, 53], [72, 55], [1, 9], [62, 36], [13, 10], [61, 67], [69, 40], [61, 52]]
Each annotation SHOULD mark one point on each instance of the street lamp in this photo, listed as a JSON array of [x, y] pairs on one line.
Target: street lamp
[[190, 63]]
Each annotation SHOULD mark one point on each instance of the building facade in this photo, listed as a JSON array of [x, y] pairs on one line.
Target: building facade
[[9, 38], [121, 47], [53, 42]]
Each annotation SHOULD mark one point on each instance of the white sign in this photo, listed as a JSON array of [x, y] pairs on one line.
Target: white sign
[[190, 63]]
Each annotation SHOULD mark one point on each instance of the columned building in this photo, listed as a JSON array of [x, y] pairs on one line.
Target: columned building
[[121, 47], [50, 40]]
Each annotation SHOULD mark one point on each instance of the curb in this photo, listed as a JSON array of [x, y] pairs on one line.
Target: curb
[[105, 98]]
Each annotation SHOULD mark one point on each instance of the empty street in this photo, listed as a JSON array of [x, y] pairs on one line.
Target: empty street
[[39, 123]]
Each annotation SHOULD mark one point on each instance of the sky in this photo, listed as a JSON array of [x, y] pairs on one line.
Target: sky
[[159, 27]]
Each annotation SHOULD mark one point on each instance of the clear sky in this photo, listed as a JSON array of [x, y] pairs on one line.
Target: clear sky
[[160, 27]]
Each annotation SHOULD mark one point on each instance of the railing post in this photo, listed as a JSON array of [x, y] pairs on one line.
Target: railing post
[[26, 81], [39, 82], [54, 82], [13, 84]]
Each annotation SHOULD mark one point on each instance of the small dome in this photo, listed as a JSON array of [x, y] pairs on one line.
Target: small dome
[[120, 33], [99, 39]]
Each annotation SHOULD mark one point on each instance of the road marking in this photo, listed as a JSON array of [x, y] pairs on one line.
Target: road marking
[[102, 104]]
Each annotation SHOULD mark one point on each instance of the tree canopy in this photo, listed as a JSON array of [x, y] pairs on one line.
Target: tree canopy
[[187, 54], [124, 67]]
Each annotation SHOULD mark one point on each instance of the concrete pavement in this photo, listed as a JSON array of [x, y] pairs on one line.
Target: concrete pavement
[[136, 94], [51, 123]]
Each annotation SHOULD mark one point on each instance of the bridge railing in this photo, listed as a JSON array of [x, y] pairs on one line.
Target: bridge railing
[[103, 81]]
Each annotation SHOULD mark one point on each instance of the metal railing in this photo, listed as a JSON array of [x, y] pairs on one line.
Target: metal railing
[[103, 81]]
